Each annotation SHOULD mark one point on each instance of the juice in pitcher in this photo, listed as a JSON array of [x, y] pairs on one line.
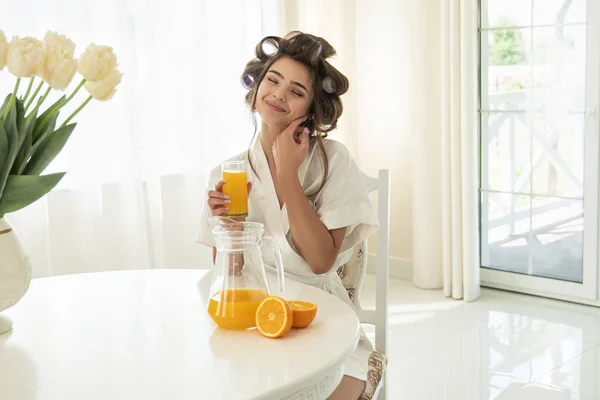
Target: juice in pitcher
[[236, 293], [236, 187], [235, 308]]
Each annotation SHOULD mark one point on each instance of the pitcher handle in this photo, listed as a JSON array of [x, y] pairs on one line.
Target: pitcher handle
[[270, 242]]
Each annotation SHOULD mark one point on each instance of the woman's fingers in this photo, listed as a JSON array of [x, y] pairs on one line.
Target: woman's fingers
[[219, 186], [216, 195], [217, 201], [215, 212]]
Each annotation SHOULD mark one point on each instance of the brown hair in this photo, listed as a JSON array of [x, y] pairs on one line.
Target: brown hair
[[329, 84]]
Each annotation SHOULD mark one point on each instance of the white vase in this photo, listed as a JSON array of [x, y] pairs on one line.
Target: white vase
[[15, 271]]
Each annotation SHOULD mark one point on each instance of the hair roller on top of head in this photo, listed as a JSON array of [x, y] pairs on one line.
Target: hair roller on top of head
[[314, 51], [267, 47], [316, 55]]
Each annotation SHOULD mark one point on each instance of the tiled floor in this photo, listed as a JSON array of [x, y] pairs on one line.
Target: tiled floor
[[504, 346]]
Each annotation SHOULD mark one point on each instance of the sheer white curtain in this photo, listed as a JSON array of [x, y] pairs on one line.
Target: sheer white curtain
[[132, 194], [136, 165]]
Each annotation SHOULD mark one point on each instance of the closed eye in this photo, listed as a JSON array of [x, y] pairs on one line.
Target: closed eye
[[295, 92]]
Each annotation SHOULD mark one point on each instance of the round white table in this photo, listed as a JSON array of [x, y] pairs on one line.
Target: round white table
[[146, 335]]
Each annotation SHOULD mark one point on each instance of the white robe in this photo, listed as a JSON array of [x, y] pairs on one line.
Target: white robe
[[342, 203]]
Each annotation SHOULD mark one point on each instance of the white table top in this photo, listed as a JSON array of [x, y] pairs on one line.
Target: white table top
[[146, 335]]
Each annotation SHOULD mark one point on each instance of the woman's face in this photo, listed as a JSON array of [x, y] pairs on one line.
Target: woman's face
[[285, 94]]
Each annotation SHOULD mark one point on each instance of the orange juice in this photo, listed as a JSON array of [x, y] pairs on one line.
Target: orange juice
[[236, 308], [236, 186]]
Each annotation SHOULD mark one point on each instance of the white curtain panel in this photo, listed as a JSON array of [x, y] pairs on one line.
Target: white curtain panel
[[445, 192], [460, 216]]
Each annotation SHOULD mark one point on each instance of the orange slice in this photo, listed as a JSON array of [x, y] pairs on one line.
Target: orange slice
[[304, 313], [274, 317]]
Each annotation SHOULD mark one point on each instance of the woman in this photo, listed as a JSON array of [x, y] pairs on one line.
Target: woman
[[306, 190]]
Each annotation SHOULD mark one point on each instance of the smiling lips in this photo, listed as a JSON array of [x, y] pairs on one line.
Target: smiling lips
[[274, 107]]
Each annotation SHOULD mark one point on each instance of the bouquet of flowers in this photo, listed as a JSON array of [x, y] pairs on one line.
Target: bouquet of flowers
[[31, 132]]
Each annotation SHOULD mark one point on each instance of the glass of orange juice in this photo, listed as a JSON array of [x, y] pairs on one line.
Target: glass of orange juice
[[236, 187]]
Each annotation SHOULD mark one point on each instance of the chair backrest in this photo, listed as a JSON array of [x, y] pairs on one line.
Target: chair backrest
[[352, 272]]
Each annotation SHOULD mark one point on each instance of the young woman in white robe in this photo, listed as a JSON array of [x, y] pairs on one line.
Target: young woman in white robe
[[305, 189]]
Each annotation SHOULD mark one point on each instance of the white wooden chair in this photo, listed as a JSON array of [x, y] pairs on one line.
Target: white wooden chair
[[352, 274]]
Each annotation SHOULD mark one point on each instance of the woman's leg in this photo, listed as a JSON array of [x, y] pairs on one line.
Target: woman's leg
[[349, 389]]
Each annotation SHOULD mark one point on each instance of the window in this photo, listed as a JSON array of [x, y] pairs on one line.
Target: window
[[538, 98]]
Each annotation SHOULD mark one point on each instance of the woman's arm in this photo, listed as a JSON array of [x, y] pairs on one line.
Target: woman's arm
[[316, 244]]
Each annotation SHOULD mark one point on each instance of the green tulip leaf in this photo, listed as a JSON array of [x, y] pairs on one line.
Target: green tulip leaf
[[12, 135], [3, 147], [48, 150], [26, 147], [22, 190], [43, 121]]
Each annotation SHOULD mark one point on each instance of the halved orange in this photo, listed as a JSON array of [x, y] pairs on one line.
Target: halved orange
[[304, 313], [274, 317]]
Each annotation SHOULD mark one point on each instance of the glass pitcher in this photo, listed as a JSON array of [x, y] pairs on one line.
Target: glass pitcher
[[240, 279]]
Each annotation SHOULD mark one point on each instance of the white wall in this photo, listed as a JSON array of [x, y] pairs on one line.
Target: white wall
[[398, 92]]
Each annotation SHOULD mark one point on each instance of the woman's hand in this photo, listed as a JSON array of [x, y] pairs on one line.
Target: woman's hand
[[289, 151], [218, 201]]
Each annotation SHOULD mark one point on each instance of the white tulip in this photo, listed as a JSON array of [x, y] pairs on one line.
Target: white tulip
[[60, 74], [60, 44], [97, 62], [24, 57], [59, 66], [105, 88], [3, 50]]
